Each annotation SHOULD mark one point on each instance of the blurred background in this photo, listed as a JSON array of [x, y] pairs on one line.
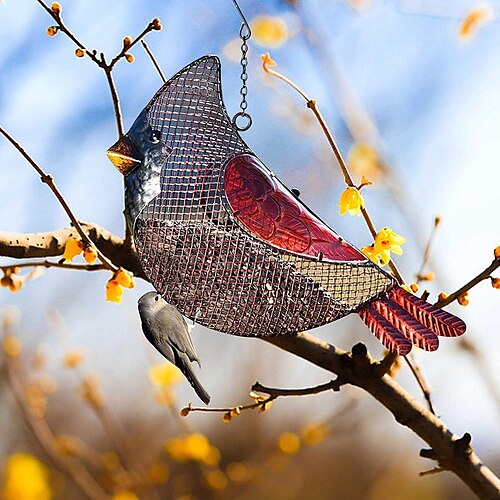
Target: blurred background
[[410, 90]]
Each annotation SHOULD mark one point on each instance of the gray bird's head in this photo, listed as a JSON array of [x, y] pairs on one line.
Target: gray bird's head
[[150, 303]]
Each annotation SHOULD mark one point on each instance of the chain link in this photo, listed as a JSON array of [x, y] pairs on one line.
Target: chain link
[[244, 89]]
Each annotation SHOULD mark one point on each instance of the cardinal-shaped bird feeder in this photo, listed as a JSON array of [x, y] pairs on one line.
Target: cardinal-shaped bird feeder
[[226, 242]]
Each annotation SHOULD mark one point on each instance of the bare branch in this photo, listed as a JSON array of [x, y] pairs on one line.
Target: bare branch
[[49, 180], [483, 275], [360, 370]]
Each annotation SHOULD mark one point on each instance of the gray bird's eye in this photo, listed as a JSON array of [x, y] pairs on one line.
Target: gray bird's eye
[[155, 136], [157, 298]]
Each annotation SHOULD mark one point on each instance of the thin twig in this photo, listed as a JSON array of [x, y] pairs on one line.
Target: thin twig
[[101, 59], [273, 394], [419, 377], [312, 105], [427, 249], [154, 61], [49, 180], [483, 275], [43, 434]]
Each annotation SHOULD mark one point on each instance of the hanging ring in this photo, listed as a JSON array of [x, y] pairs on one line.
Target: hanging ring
[[243, 35], [246, 125]]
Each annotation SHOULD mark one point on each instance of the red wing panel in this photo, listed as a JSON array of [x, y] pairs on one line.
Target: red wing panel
[[267, 209]]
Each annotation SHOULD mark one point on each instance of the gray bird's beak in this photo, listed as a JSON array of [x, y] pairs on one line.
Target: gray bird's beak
[[124, 155]]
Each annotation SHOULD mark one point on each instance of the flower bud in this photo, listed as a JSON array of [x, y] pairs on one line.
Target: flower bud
[[127, 41], [56, 8], [79, 52], [52, 30], [156, 24], [130, 58]]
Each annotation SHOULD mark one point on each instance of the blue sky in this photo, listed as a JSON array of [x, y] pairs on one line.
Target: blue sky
[[434, 100]]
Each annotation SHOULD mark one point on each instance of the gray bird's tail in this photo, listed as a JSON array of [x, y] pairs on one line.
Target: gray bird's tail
[[186, 369]]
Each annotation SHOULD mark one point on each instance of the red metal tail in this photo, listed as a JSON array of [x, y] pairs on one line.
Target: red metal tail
[[401, 319]]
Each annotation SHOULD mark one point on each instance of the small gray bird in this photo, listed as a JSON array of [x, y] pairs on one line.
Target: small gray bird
[[167, 330]]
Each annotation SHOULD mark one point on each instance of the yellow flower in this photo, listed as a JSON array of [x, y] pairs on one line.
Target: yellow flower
[[267, 61], [351, 201], [495, 283], [191, 447], [73, 248], [52, 30], [269, 31], [26, 478], [56, 7], [11, 346], [314, 433], [90, 255], [370, 252], [79, 52], [473, 21], [164, 374], [124, 278], [72, 359], [289, 443], [496, 252], [442, 296], [127, 41], [114, 291], [463, 300], [387, 241], [124, 495], [130, 57], [159, 473], [216, 479], [364, 160]]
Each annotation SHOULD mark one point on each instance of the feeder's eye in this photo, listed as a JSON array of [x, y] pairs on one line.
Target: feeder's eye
[[155, 136]]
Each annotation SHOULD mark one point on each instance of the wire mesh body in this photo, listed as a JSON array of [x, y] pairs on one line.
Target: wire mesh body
[[224, 241]]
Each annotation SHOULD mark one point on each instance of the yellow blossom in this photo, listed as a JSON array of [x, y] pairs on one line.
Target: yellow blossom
[[495, 283], [269, 31], [463, 300], [124, 495], [227, 417], [216, 479], [11, 346], [364, 160], [237, 471], [370, 252], [114, 291], [496, 252], [52, 30], [164, 374], [159, 473], [127, 41], [67, 445], [473, 20], [56, 7], [73, 248], [79, 52], [388, 241], [124, 278], [90, 392], [289, 443], [90, 255], [442, 296], [130, 58], [156, 24], [314, 433], [267, 62], [191, 447], [72, 359], [26, 478], [351, 201]]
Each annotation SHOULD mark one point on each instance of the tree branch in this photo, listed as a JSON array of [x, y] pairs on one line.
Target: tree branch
[[51, 244], [360, 370], [484, 275]]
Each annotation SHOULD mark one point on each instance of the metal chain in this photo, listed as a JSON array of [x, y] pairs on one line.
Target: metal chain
[[244, 89]]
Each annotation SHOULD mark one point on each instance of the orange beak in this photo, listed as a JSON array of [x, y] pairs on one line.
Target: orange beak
[[124, 155]]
